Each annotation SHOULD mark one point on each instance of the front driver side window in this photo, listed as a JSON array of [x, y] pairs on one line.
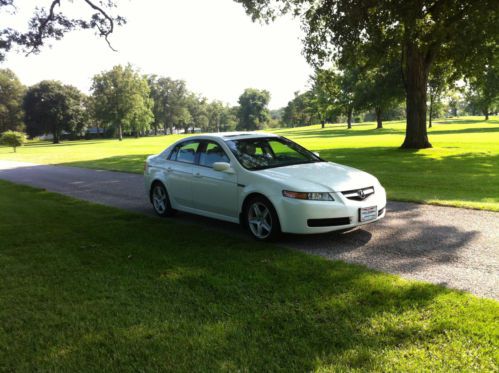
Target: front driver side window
[[212, 153], [185, 152]]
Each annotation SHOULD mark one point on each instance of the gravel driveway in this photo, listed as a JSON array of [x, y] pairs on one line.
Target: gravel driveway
[[454, 247]]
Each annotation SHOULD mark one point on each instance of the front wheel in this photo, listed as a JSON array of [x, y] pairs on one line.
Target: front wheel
[[261, 219], [161, 201]]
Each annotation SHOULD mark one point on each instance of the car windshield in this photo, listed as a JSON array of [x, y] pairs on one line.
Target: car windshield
[[269, 152]]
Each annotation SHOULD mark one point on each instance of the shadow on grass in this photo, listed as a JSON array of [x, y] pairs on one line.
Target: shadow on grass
[[466, 121], [343, 132], [127, 292], [337, 132], [126, 163], [39, 144], [437, 131]]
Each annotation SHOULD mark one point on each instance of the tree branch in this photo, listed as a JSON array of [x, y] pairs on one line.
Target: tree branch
[[110, 20]]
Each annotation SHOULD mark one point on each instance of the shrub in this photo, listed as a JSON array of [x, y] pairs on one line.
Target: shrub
[[13, 138]]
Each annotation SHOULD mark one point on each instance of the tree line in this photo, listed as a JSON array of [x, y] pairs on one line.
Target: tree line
[[366, 93], [355, 45], [123, 102]]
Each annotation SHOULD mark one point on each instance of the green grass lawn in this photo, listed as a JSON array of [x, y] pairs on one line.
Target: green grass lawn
[[91, 288], [462, 169]]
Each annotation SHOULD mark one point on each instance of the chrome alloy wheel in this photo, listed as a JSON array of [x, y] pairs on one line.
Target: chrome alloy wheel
[[260, 220], [159, 199]]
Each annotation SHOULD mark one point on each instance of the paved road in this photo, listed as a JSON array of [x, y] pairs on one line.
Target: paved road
[[458, 248]]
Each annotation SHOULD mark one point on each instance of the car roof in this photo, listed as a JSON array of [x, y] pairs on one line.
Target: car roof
[[232, 136]]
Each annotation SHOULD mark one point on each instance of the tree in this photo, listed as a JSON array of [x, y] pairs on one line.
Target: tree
[[439, 80], [483, 89], [121, 100], [11, 100], [170, 102], [197, 108], [13, 139], [214, 112], [253, 112], [342, 86], [53, 108], [380, 88], [228, 119], [418, 31], [50, 23]]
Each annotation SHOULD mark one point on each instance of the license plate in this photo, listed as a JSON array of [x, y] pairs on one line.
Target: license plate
[[368, 213]]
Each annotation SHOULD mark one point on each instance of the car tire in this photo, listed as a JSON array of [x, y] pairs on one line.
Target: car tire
[[261, 220], [161, 201]]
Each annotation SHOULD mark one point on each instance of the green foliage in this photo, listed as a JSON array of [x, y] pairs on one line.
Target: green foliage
[[229, 119], [380, 88], [53, 108], [253, 112], [302, 110], [92, 288], [170, 102], [196, 115], [11, 99], [13, 139], [458, 32], [122, 102], [483, 90]]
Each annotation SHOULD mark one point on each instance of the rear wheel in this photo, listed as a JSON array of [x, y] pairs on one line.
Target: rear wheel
[[161, 201], [261, 219]]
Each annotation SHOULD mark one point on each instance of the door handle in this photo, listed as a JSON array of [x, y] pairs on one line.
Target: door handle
[[197, 174], [169, 169]]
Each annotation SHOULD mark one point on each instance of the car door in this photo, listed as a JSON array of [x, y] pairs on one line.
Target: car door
[[179, 170], [214, 191]]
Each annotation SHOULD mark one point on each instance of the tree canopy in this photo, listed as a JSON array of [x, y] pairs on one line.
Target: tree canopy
[[11, 99], [53, 108], [419, 31], [253, 112], [121, 101]]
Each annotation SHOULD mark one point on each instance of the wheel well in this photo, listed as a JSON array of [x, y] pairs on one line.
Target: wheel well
[[248, 198], [152, 186]]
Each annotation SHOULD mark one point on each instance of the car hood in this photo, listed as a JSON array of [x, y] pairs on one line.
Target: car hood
[[331, 176]]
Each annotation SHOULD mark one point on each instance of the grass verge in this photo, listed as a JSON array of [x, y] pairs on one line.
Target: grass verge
[[87, 287]]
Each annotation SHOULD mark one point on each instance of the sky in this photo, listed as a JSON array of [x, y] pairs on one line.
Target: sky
[[211, 44]]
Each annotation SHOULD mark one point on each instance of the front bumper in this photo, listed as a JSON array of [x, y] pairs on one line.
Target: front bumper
[[308, 217]]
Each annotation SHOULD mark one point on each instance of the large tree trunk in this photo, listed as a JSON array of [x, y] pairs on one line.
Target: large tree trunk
[[417, 69], [349, 118], [120, 132], [323, 123], [378, 118], [486, 113]]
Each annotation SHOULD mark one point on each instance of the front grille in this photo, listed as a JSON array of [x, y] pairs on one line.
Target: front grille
[[359, 194], [328, 222]]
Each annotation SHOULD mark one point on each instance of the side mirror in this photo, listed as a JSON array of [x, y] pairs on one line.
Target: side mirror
[[316, 154], [222, 167]]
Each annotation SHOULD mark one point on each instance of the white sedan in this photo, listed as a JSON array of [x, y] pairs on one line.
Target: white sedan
[[265, 182]]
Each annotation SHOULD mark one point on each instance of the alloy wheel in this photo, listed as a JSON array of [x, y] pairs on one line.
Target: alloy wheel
[[260, 220], [159, 199]]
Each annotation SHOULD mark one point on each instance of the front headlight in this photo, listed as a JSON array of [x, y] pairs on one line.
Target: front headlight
[[313, 196]]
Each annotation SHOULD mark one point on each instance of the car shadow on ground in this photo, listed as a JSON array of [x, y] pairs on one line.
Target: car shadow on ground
[[402, 242]]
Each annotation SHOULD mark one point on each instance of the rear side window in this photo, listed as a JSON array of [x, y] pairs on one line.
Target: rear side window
[[185, 152], [211, 154]]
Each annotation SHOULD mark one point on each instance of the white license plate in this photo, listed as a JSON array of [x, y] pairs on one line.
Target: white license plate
[[368, 213]]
